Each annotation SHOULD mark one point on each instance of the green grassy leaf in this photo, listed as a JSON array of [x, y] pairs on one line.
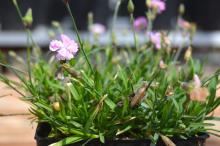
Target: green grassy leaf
[[66, 141]]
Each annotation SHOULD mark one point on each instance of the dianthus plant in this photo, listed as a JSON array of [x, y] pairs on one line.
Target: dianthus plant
[[87, 91]]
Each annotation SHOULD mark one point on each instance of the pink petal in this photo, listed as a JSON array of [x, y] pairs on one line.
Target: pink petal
[[98, 28], [63, 54], [55, 45], [159, 5], [197, 81], [155, 38], [140, 23], [73, 47], [69, 44], [65, 39]]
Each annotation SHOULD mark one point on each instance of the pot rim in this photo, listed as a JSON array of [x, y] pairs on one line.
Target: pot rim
[[46, 126]]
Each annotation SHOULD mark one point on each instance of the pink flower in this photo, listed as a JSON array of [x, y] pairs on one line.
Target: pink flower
[[66, 49], [140, 23], [184, 24], [155, 38], [55, 45], [97, 29], [162, 65], [198, 93], [197, 82], [159, 5]]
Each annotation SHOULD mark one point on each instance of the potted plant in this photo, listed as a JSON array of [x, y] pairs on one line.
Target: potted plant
[[104, 95]]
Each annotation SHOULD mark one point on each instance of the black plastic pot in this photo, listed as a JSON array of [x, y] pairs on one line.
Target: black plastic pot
[[43, 130]]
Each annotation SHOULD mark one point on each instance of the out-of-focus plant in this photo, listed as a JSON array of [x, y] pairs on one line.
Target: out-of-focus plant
[[3, 58], [147, 93]]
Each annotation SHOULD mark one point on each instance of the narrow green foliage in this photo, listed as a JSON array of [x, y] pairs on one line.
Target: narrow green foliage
[[110, 93]]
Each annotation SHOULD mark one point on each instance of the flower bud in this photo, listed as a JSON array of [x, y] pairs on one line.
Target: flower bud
[[56, 106], [90, 19], [148, 3], [69, 84], [186, 86], [15, 2], [162, 65], [55, 24], [188, 54], [167, 140], [169, 91], [199, 94], [130, 6], [15, 56], [70, 70], [51, 34], [28, 18], [197, 81], [139, 95], [181, 9]]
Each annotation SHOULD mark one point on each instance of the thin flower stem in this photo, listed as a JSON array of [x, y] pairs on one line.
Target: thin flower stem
[[118, 4], [2, 96], [28, 34], [29, 58], [134, 34], [78, 36], [181, 47], [7, 82], [16, 114], [18, 10], [150, 21]]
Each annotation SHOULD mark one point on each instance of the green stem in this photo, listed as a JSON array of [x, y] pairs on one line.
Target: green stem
[[180, 49], [18, 10], [118, 4], [150, 21], [134, 34], [16, 114], [28, 33], [29, 58], [78, 37]]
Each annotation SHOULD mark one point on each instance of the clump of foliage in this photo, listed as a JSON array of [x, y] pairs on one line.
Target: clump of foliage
[[106, 92]]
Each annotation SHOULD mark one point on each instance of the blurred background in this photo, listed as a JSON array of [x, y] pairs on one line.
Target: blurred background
[[18, 131], [205, 14]]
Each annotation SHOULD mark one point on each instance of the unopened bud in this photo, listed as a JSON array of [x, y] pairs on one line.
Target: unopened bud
[[51, 34], [167, 140], [130, 6], [90, 19], [15, 2], [139, 95], [28, 18], [162, 65], [12, 54], [70, 70], [55, 24], [169, 91], [181, 9], [148, 3], [199, 94], [197, 81], [56, 106], [15, 56], [188, 54], [186, 86], [69, 84]]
